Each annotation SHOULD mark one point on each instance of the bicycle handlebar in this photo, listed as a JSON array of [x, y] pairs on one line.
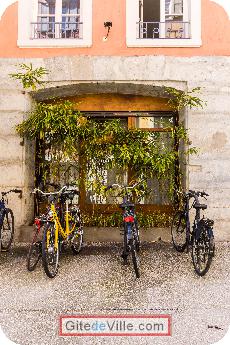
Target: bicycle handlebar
[[193, 193], [12, 191], [61, 191], [48, 193]]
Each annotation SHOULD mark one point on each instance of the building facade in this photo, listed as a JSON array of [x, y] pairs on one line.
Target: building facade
[[116, 57]]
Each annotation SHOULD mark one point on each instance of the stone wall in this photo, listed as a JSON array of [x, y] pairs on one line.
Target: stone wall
[[144, 75]]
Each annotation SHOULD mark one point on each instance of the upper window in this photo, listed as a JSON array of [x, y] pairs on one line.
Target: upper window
[[55, 23], [57, 19], [163, 23]]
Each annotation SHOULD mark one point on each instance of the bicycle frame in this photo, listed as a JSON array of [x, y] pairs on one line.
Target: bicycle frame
[[4, 202], [53, 216], [64, 232], [187, 215]]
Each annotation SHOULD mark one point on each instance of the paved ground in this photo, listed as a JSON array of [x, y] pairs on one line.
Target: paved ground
[[96, 282]]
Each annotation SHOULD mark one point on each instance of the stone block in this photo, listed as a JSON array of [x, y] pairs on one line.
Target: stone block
[[14, 100], [11, 174], [8, 122], [10, 148]]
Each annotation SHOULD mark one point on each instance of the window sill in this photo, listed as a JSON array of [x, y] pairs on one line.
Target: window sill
[[54, 43], [164, 43]]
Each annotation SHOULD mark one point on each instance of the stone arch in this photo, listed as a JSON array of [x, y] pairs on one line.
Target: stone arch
[[84, 88]]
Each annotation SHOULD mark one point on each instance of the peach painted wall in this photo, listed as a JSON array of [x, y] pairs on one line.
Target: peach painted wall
[[215, 34]]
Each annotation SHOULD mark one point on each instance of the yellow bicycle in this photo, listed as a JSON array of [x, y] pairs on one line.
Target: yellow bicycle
[[63, 227]]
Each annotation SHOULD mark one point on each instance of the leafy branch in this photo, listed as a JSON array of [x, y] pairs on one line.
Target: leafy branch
[[180, 99], [29, 77]]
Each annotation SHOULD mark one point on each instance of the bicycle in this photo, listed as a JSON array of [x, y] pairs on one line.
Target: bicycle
[[131, 238], [62, 227], [35, 250], [6, 221], [200, 238]]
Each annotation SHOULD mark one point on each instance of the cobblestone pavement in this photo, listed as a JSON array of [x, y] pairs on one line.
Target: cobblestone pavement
[[96, 282]]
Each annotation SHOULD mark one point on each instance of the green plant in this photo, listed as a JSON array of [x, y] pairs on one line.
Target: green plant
[[71, 139], [67, 142], [178, 99], [149, 220], [29, 77]]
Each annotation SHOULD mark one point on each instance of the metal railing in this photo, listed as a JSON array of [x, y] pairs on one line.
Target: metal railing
[[163, 30], [56, 30]]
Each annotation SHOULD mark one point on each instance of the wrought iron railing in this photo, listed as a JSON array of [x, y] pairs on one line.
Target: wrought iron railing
[[52, 30], [165, 30]]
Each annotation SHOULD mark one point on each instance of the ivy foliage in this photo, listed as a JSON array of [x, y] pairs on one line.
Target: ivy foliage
[[29, 77], [75, 140], [145, 220], [179, 99], [67, 139]]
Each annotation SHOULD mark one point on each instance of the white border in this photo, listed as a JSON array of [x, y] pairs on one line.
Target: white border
[[132, 16], [27, 13]]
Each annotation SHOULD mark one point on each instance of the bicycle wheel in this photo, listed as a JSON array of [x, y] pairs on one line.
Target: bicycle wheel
[[125, 251], [77, 237], [202, 249], [178, 231], [35, 252], [136, 236], [77, 240], [50, 254], [135, 258], [7, 229]]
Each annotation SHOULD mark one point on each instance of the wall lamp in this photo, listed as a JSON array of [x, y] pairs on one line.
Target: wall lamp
[[107, 25]]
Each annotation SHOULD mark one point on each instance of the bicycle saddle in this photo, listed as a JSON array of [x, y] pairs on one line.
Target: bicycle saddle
[[200, 206], [127, 204]]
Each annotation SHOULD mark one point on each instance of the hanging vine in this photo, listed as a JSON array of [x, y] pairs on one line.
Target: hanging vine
[[71, 139]]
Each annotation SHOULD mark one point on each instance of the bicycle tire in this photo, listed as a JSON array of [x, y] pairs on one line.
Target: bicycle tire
[[0, 238], [35, 252], [178, 230], [125, 252], [205, 246], [135, 258], [77, 238], [7, 229], [77, 241], [50, 255], [136, 236]]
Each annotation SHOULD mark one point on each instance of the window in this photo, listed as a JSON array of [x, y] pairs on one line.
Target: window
[[157, 123], [163, 23], [55, 23]]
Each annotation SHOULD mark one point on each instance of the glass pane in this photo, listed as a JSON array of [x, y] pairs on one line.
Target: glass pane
[[46, 6], [70, 6], [46, 28], [158, 191], [173, 6], [109, 176], [154, 121]]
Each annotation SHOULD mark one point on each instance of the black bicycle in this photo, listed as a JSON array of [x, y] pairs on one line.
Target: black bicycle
[[200, 237], [130, 227], [6, 221]]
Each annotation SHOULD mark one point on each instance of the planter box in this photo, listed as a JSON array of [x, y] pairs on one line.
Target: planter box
[[95, 234]]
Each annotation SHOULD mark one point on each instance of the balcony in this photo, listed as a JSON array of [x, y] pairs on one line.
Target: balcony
[[57, 30], [163, 30]]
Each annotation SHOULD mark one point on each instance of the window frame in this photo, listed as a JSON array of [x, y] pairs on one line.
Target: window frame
[[28, 12], [132, 18]]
